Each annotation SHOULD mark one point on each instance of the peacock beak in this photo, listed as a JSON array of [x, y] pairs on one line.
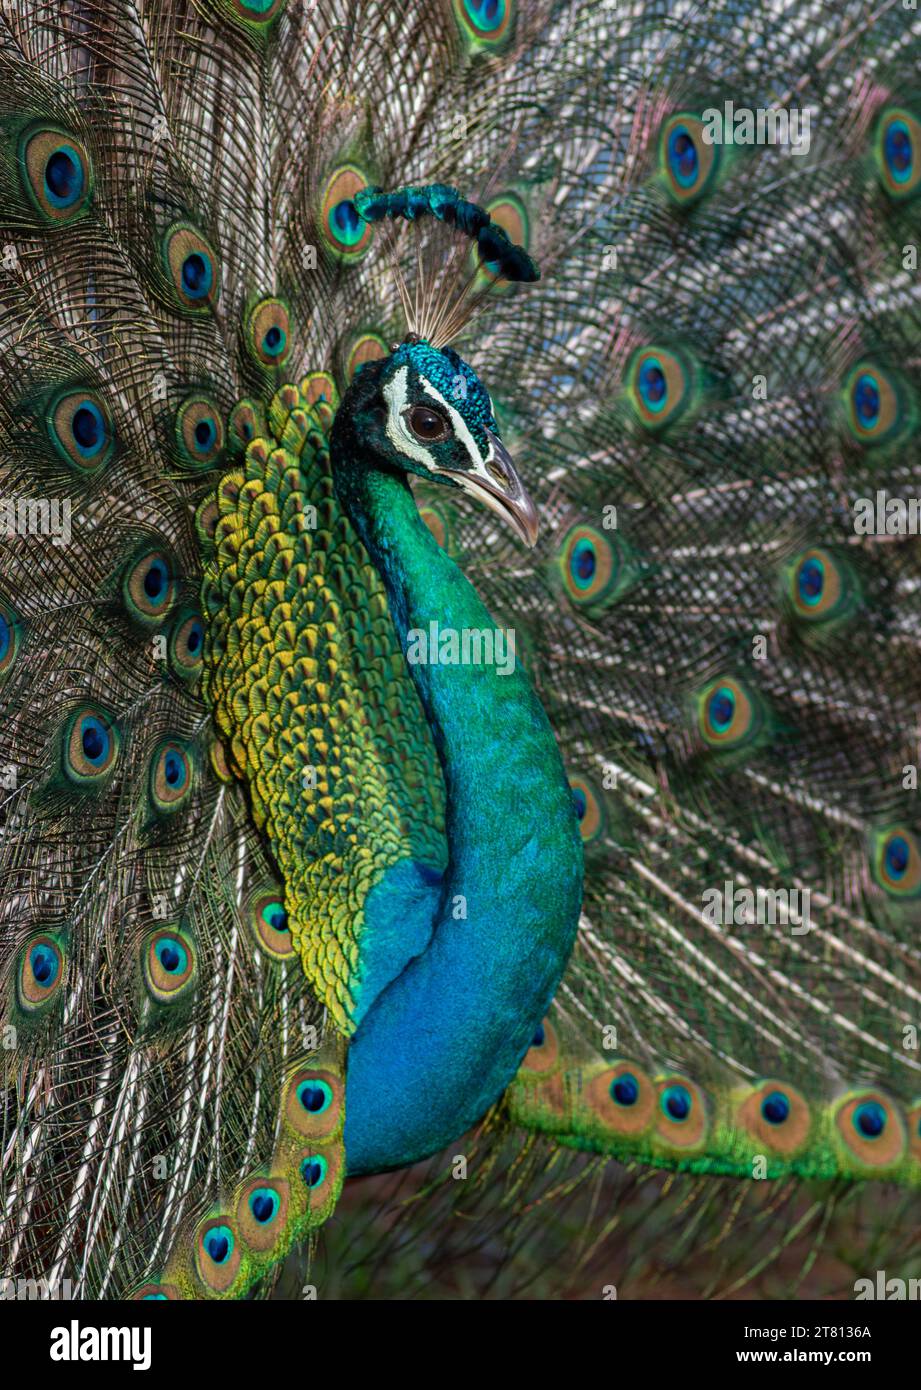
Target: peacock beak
[[497, 485]]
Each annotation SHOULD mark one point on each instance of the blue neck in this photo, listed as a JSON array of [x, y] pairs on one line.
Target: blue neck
[[444, 1038]]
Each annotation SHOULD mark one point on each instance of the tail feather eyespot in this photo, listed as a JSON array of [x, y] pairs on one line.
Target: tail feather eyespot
[[149, 586], [192, 268], [217, 1254], [41, 972], [90, 746], [262, 1211], [172, 776], [681, 1117], [871, 1129], [436, 519], [169, 965], [80, 429], [589, 808], [187, 644], [316, 1179], [318, 389], [689, 163], [896, 860], [596, 568], [268, 333], [623, 1098], [199, 432], [897, 148], [730, 714], [660, 386], [314, 1169], [820, 587], [271, 928], [776, 1116], [206, 520], [56, 173], [877, 405], [313, 1102], [347, 235]]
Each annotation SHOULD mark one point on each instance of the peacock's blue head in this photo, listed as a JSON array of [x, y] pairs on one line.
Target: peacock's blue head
[[423, 410]]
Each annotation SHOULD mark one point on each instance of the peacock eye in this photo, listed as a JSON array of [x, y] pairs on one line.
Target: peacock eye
[[427, 424]]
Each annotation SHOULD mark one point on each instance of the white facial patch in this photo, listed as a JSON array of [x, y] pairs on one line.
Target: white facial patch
[[398, 432], [400, 435]]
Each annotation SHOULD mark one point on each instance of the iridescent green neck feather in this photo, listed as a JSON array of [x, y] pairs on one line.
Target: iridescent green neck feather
[[444, 1039]]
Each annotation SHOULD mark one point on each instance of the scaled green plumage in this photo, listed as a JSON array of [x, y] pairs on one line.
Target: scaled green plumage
[[313, 696]]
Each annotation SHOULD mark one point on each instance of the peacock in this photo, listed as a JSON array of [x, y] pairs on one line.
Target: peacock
[[459, 618]]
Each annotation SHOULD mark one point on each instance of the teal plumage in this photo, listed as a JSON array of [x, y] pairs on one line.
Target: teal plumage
[[282, 903]]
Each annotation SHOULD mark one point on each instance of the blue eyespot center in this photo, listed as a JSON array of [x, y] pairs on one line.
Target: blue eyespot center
[[156, 580], [315, 1096], [172, 955], [6, 635], [263, 1203], [274, 341], [676, 1102], [174, 771], [583, 563], [897, 150], [539, 1037], [870, 1119], [194, 638], [897, 856], [625, 1089], [44, 964], [205, 435], [775, 1108], [88, 429], [64, 177], [487, 15], [94, 740], [866, 400], [580, 802], [682, 156], [218, 1243], [275, 916], [721, 708], [197, 275], [653, 385], [313, 1170], [346, 222], [811, 580]]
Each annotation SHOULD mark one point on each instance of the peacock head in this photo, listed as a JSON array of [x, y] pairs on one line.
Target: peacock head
[[423, 410]]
